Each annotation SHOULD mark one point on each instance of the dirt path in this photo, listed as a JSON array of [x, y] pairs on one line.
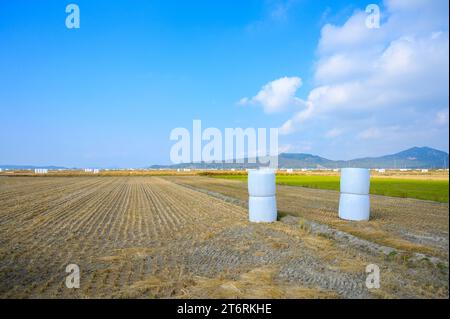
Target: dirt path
[[149, 237]]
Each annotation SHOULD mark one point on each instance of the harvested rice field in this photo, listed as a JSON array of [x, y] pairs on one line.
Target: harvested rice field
[[189, 237]]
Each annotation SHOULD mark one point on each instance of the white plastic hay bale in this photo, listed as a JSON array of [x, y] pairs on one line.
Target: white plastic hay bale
[[355, 181], [262, 209], [354, 207], [262, 204], [261, 183], [354, 202]]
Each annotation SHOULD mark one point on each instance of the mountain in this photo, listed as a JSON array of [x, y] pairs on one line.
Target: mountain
[[301, 160], [416, 157]]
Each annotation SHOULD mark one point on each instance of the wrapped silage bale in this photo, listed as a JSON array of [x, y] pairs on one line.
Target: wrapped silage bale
[[262, 209], [355, 181], [354, 207], [261, 182], [262, 204], [354, 201]]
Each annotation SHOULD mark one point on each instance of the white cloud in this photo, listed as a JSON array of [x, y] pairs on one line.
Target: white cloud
[[290, 125], [392, 75], [298, 146], [406, 4], [341, 66], [353, 35], [244, 101], [386, 88], [276, 96]]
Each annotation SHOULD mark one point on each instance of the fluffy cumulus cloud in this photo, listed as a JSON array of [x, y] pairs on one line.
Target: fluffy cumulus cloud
[[403, 65], [378, 81], [276, 96]]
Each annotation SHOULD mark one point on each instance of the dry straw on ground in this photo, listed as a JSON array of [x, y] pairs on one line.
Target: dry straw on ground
[[149, 237]]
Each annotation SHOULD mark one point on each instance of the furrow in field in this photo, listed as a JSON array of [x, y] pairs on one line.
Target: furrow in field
[[38, 206], [161, 225], [59, 218], [45, 191], [121, 217], [149, 237], [37, 238], [179, 211], [198, 207], [19, 190], [74, 252], [115, 207]]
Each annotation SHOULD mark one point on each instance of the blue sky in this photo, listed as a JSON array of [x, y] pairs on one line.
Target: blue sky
[[108, 94]]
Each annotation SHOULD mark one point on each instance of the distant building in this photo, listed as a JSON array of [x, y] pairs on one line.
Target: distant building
[[91, 170], [424, 170], [40, 171], [289, 170]]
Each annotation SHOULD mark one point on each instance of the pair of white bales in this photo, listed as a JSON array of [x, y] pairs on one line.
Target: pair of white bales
[[354, 201]]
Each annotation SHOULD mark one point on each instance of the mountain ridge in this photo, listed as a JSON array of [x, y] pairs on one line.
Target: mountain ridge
[[412, 158]]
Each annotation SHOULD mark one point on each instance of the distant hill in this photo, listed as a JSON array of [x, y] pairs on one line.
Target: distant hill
[[301, 160], [416, 157]]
